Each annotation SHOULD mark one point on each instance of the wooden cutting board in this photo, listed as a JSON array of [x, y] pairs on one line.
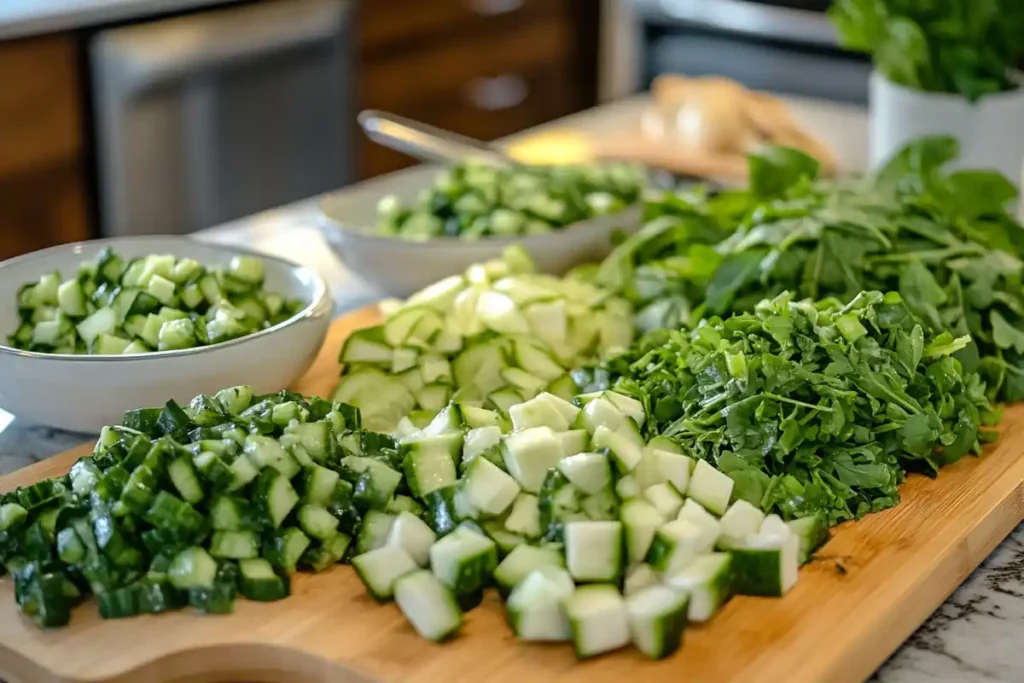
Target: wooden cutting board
[[874, 582]]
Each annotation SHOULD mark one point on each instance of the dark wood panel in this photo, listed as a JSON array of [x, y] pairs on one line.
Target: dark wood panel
[[393, 24], [546, 95], [42, 208]]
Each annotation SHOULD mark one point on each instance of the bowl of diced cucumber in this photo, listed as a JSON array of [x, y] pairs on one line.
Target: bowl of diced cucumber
[[96, 328], [426, 230]]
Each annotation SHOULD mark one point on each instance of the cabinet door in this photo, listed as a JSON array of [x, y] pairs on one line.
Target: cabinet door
[[42, 184]]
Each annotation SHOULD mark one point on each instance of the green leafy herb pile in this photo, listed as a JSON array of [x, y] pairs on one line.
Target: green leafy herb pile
[[970, 47], [945, 242], [809, 406]]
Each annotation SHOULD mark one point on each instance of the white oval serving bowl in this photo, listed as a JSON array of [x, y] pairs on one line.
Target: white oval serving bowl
[[399, 268], [85, 392]]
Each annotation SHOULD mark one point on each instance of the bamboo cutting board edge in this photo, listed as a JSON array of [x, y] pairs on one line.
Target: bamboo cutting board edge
[[875, 582]]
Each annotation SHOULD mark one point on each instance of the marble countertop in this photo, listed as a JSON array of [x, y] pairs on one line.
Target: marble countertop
[[972, 638], [21, 18]]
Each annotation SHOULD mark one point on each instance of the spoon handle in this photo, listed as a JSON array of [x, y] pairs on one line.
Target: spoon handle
[[426, 142]]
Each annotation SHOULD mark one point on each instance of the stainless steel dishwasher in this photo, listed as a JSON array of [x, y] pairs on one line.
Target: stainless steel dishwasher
[[207, 117]]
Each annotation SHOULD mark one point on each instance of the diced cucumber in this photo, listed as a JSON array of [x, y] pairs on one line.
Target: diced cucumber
[[574, 441], [176, 334], [640, 521], [71, 298], [657, 617], [627, 405], [376, 483], [527, 384], [480, 365], [811, 531], [488, 488], [499, 313], [285, 547], [537, 412], [184, 478], [535, 606], [674, 468], [641, 576], [367, 346], [589, 472], [707, 581], [320, 484], [600, 412], [674, 546], [665, 499], [109, 344], [524, 518], [382, 398], [433, 397], [275, 496], [505, 399], [428, 604], [598, 620], [464, 560], [593, 550], [537, 362], [709, 525], [258, 581], [429, 462], [476, 418], [478, 440], [447, 421], [741, 521], [765, 565], [246, 268], [192, 568], [413, 535], [380, 569], [235, 545], [136, 347], [521, 561], [102, 321], [317, 522], [626, 448], [374, 531], [264, 451], [529, 454], [231, 514], [710, 488]]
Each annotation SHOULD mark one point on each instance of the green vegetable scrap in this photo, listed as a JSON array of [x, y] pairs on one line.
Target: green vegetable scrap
[[473, 200], [945, 242], [970, 47], [809, 406]]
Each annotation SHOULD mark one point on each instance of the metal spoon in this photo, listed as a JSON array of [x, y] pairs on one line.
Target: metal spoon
[[426, 142]]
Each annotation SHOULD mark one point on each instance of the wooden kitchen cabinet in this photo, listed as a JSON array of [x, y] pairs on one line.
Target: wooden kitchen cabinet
[[483, 68], [42, 177]]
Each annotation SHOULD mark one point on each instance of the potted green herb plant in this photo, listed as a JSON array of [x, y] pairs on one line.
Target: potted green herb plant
[[943, 67]]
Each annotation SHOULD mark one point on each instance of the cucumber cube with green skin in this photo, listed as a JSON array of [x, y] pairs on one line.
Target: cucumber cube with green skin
[[741, 521], [535, 608], [600, 412], [710, 488], [657, 617], [765, 565], [373, 532], [597, 619], [537, 413], [706, 581], [628, 488], [709, 525], [524, 518], [320, 484], [570, 412], [627, 405], [480, 417], [640, 521], [487, 488], [674, 468], [478, 440], [589, 472], [258, 581], [411, 534], [665, 499], [264, 451], [317, 522], [429, 605], [380, 569], [593, 550], [522, 561], [639, 577], [812, 533], [275, 496], [674, 546], [625, 447], [464, 560], [574, 441], [429, 462], [529, 454]]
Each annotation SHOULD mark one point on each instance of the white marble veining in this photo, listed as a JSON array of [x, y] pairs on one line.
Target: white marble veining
[[972, 638]]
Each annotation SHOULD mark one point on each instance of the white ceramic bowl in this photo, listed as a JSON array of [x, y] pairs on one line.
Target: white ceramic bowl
[[83, 393], [399, 268]]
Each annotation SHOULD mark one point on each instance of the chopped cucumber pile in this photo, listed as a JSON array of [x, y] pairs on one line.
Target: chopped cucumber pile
[[497, 335], [192, 506], [589, 534], [472, 200], [115, 305]]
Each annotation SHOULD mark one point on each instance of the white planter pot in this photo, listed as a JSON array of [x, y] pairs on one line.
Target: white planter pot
[[990, 131]]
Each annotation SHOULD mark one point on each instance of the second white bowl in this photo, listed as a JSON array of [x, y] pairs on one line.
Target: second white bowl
[[83, 392]]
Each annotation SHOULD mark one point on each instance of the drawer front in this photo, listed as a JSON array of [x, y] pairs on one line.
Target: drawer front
[[390, 23], [39, 106], [485, 108]]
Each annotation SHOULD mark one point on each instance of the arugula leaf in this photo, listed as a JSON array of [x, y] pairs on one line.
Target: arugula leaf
[[1004, 335], [774, 169]]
